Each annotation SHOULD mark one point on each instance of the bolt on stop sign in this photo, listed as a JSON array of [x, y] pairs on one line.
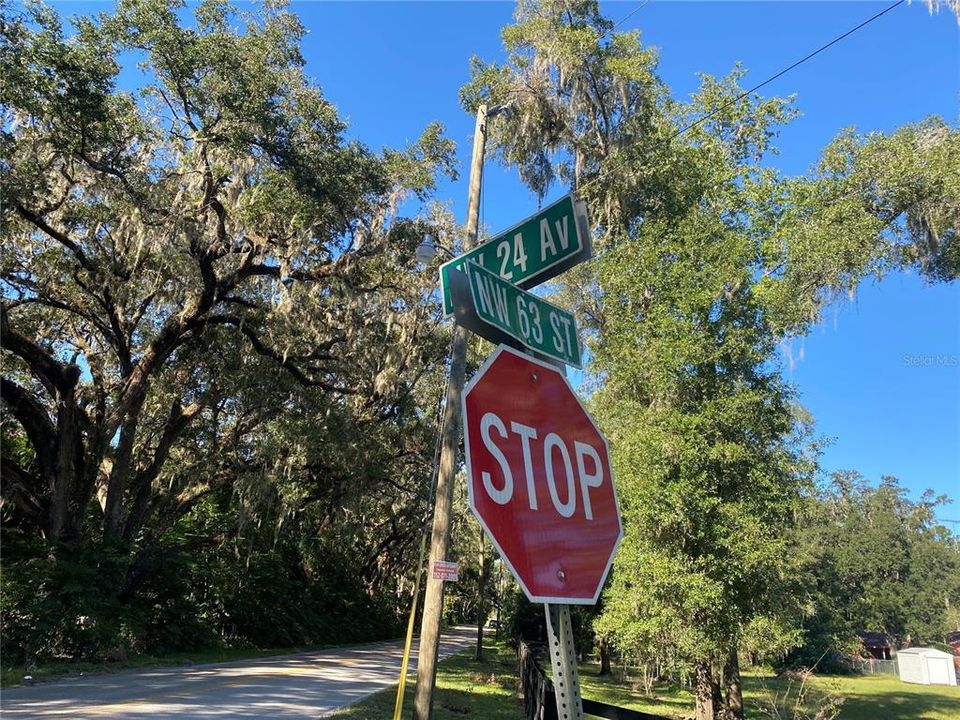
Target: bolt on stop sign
[[539, 478]]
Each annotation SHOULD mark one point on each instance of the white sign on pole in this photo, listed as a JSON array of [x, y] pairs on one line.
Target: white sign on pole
[[446, 571]]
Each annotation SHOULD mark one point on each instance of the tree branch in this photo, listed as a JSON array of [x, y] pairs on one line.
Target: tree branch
[[57, 235], [177, 421], [285, 361], [55, 376], [16, 489], [32, 418]]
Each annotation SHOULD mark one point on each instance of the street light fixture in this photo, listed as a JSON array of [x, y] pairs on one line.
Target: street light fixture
[[428, 247]]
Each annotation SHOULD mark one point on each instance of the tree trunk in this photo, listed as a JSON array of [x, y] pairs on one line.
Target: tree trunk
[[64, 520], [716, 682], [704, 691], [734, 689], [604, 657], [117, 483]]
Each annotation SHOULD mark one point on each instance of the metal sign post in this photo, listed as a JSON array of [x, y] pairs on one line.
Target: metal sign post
[[563, 660]]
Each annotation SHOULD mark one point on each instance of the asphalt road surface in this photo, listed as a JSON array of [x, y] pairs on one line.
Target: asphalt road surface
[[305, 685]]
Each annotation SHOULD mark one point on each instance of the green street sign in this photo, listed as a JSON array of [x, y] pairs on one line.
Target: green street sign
[[503, 313], [532, 252]]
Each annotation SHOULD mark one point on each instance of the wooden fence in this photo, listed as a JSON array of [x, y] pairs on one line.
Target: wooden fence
[[540, 703]]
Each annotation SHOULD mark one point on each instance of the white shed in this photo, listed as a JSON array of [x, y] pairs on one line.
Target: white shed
[[926, 666]]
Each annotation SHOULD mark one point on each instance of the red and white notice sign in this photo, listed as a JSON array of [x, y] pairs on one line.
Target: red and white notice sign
[[446, 571]]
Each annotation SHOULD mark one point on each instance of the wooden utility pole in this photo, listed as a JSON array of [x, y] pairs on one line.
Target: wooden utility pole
[[450, 434]]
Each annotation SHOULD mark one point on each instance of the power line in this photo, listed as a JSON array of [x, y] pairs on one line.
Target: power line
[[630, 14], [786, 70], [756, 87]]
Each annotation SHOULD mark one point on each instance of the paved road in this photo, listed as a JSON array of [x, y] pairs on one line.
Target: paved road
[[305, 685]]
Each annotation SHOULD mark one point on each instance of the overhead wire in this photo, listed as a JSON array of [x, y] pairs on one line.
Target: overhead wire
[[788, 69], [629, 15], [756, 87]]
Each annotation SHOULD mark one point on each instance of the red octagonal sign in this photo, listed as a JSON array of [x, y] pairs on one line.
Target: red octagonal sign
[[539, 478]]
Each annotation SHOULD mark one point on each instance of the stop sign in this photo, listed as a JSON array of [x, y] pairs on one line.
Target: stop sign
[[539, 478]]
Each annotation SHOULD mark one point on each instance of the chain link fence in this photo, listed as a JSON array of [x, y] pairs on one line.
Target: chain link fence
[[872, 666]]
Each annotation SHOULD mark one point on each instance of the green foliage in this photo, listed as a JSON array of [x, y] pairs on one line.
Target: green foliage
[[767, 639], [522, 619], [872, 203], [52, 607], [220, 362], [207, 589], [706, 260], [875, 562]]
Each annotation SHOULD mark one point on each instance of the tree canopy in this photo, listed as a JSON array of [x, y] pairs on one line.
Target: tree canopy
[[222, 364], [208, 296], [707, 259]]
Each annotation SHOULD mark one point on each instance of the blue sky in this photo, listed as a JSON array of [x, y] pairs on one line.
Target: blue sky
[[881, 374]]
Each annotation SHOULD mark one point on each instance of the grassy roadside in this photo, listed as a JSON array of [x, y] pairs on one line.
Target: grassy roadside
[[466, 688], [768, 697], [883, 696], [667, 700], [13, 675]]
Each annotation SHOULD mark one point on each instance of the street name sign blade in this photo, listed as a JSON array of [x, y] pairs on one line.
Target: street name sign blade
[[537, 249], [502, 313], [539, 478]]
